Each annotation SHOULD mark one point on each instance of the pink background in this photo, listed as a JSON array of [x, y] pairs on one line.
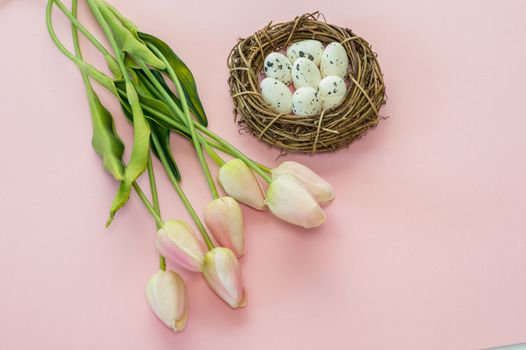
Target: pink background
[[424, 247]]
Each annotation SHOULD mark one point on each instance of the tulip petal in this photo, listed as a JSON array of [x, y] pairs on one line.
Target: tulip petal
[[223, 274], [318, 187], [289, 200], [166, 294], [240, 182], [224, 218], [178, 242]]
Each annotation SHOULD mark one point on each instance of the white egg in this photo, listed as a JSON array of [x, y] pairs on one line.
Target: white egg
[[278, 66], [305, 73], [334, 60], [277, 95], [311, 49], [306, 102], [332, 91]]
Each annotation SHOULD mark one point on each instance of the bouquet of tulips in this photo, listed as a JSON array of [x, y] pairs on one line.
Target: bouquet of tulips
[[140, 65]]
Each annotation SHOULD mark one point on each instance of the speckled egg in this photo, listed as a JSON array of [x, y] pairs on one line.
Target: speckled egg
[[332, 91], [311, 49], [278, 66], [277, 95], [306, 102], [305, 73], [334, 60]]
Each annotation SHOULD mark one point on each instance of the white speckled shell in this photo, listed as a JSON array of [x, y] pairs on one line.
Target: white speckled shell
[[277, 95], [278, 66], [334, 60], [311, 49], [306, 102], [305, 73], [332, 91]]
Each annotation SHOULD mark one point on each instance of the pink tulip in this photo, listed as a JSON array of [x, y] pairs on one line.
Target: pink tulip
[[289, 200], [166, 295], [177, 242], [224, 219], [320, 189], [240, 182], [223, 274]]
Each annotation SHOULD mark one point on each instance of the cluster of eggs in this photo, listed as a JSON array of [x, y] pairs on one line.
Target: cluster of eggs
[[315, 88]]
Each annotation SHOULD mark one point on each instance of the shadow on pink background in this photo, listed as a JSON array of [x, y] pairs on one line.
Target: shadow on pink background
[[424, 247]]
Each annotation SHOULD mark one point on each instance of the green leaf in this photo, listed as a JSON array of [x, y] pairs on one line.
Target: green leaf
[[183, 73], [128, 41], [162, 131], [163, 134], [105, 140], [126, 22], [139, 157], [113, 66]]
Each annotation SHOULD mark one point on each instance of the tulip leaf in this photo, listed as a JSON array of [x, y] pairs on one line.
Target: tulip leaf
[[163, 135], [126, 22], [183, 73], [113, 66], [128, 41], [150, 106], [105, 140], [139, 156]]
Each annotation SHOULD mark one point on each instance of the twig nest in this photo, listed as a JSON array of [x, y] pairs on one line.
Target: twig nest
[[328, 110]]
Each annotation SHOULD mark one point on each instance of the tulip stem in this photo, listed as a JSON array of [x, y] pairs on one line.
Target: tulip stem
[[185, 114], [72, 16], [162, 263], [219, 147], [213, 154], [182, 195], [153, 187], [189, 121], [235, 152], [156, 206], [147, 204]]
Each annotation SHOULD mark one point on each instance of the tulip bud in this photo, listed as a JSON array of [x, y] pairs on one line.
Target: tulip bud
[[177, 242], [239, 182], [224, 219], [223, 274], [320, 189], [166, 295], [290, 201]]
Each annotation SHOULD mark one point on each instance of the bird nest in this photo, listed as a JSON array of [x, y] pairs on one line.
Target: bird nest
[[331, 129]]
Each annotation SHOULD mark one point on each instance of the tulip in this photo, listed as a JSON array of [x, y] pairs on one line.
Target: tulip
[[320, 189], [240, 182], [223, 274], [224, 219], [177, 242], [166, 295], [289, 200]]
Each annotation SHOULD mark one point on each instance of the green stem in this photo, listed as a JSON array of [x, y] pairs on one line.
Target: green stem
[[109, 35], [76, 45], [235, 152], [156, 206], [153, 188], [186, 114], [158, 221], [72, 16], [162, 263], [94, 73], [213, 154], [182, 195], [221, 148]]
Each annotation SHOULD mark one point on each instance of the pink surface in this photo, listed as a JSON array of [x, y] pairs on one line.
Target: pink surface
[[424, 247]]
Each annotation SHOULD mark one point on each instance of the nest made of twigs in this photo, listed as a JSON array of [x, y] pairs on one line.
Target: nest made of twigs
[[331, 129]]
